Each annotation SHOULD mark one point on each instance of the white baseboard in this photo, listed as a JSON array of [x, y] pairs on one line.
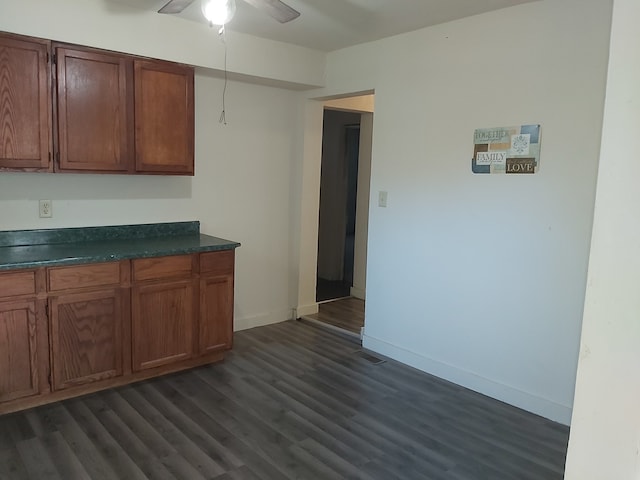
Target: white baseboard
[[505, 393], [261, 320], [303, 310], [357, 292]]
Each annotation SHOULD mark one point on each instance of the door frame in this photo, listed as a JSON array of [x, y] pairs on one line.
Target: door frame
[[306, 253]]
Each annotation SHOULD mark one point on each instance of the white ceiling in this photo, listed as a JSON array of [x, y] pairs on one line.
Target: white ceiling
[[334, 24]]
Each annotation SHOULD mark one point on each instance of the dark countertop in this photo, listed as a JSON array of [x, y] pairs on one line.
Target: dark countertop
[[24, 249]]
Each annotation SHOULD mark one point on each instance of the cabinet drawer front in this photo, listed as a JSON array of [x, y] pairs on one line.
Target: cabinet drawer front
[[22, 283], [92, 275], [217, 263], [179, 266]]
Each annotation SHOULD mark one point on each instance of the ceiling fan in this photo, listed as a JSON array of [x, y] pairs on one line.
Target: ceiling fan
[[274, 8]]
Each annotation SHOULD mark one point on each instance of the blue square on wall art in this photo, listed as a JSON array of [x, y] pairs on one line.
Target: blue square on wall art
[[533, 130]]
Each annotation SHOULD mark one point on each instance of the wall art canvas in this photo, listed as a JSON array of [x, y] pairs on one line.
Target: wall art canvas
[[508, 150]]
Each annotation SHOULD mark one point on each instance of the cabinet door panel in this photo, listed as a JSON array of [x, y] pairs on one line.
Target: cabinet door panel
[[216, 313], [86, 331], [164, 117], [18, 350], [163, 319], [25, 104], [94, 111]]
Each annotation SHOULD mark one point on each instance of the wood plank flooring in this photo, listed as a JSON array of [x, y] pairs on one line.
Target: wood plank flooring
[[345, 313], [290, 401]]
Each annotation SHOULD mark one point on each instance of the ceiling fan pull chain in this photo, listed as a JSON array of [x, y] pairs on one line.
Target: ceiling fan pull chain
[[223, 35]]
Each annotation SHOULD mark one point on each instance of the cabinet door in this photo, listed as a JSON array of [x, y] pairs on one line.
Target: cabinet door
[[164, 117], [86, 337], [216, 313], [94, 99], [162, 319], [25, 104], [19, 361]]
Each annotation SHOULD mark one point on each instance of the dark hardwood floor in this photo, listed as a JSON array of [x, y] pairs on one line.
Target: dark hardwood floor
[[345, 313], [290, 401]]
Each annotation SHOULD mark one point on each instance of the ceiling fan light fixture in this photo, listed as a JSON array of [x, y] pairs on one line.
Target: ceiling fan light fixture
[[218, 12]]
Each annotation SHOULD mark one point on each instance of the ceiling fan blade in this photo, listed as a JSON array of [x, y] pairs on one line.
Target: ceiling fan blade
[[276, 9], [175, 6]]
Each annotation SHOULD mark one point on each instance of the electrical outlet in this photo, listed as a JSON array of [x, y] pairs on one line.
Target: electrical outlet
[[382, 199], [45, 209]]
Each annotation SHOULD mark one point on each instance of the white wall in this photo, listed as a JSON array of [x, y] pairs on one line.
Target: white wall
[[480, 279], [243, 185], [605, 428]]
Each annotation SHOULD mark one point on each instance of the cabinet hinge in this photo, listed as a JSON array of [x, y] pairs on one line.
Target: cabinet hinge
[[46, 309], [54, 59], [58, 157]]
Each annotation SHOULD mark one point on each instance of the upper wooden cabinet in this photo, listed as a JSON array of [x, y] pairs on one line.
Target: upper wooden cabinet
[[25, 104], [95, 111], [106, 112], [164, 117], [120, 114]]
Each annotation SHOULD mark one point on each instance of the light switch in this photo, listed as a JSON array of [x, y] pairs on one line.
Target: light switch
[[382, 199]]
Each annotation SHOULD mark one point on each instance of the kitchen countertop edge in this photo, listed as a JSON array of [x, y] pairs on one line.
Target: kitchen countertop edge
[[51, 255]]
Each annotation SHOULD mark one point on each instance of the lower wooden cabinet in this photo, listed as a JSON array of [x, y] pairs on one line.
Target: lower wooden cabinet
[[163, 323], [22, 357], [110, 324], [86, 337], [216, 301]]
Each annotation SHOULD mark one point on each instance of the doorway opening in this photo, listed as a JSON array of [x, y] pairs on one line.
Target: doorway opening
[[343, 213], [337, 216]]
